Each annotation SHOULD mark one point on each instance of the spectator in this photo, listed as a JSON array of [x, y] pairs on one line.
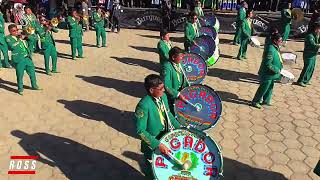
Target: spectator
[[85, 13], [116, 16]]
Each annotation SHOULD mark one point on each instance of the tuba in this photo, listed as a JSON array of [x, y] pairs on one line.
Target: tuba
[[297, 14], [54, 22]]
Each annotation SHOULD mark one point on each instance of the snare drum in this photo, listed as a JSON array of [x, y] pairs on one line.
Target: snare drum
[[199, 155], [195, 68], [255, 42], [287, 77], [203, 109], [289, 58]]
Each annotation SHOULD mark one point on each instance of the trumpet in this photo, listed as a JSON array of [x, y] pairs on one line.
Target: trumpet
[[30, 30], [54, 22]]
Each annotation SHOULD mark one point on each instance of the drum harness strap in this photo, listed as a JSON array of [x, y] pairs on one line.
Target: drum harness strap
[[162, 109], [179, 70]]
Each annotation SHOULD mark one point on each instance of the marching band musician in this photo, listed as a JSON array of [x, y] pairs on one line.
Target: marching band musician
[[48, 44], [99, 21], [33, 23], [198, 9], [286, 20], [245, 35], [3, 44], [164, 46], [173, 76], [311, 47], [241, 17], [191, 30], [269, 71], [21, 58], [75, 34], [153, 119]]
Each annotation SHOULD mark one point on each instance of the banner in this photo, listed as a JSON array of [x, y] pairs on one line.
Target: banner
[[150, 18]]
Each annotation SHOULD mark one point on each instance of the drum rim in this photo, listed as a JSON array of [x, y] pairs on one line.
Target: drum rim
[[206, 69], [186, 129], [212, 29], [221, 107], [213, 42]]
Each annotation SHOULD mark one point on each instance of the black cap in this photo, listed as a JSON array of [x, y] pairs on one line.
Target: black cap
[[163, 32]]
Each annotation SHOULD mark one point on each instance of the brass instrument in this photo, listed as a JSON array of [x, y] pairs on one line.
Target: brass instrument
[[297, 14], [85, 18], [54, 22], [30, 30]]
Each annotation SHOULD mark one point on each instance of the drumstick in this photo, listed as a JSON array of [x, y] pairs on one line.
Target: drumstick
[[186, 165], [191, 104]]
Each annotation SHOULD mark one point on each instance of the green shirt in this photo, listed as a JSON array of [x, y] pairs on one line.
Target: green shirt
[[18, 47], [199, 11], [75, 27], [46, 37], [247, 28], [2, 36], [163, 50], [148, 121], [191, 31], [98, 20], [311, 45], [241, 16], [174, 79], [271, 64]]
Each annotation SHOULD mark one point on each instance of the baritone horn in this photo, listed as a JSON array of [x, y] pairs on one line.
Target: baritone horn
[[54, 22], [297, 14]]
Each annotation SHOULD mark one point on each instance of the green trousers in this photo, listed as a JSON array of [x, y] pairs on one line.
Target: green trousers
[[25, 65], [4, 50], [50, 51], [101, 34], [32, 41], [286, 32], [308, 69], [76, 45], [264, 92], [243, 48], [237, 37]]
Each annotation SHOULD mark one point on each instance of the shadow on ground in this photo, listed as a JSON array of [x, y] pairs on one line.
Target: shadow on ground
[[131, 88], [63, 41], [121, 121], [76, 161], [173, 39], [232, 169], [233, 75], [145, 49], [139, 62], [232, 98]]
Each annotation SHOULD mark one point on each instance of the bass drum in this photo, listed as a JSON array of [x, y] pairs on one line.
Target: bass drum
[[215, 57], [210, 32], [205, 47], [203, 109], [211, 21], [199, 156], [195, 68]]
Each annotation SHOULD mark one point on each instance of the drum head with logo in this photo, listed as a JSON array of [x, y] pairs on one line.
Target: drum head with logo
[[211, 21], [205, 47], [208, 31], [201, 153], [203, 109], [194, 67]]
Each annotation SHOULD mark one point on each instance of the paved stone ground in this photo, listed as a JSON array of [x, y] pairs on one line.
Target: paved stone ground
[[81, 123]]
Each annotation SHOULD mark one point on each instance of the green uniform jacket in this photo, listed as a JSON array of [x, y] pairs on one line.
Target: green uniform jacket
[[19, 48], [311, 46], [163, 50], [199, 11], [241, 16], [33, 22], [46, 38], [286, 16], [75, 28], [171, 81], [98, 20], [189, 33], [2, 36], [148, 122], [271, 64], [246, 29]]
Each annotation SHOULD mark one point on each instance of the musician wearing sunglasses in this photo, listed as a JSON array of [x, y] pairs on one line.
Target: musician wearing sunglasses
[[164, 46], [48, 44], [75, 34], [32, 24], [3, 44], [99, 18], [269, 72], [191, 31], [173, 75], [245, 36], [21, 58], [311, 47], [153, 120]]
